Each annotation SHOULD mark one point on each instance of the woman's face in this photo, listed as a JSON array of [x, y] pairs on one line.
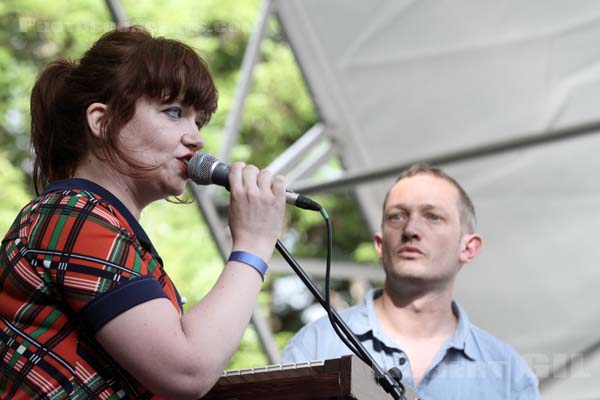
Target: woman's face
[[161, 136]]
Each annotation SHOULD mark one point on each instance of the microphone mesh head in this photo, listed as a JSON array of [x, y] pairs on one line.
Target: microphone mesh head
[[200, 167]]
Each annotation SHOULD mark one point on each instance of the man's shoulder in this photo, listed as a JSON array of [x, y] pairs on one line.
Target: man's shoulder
[[322, 326], [494, 351], [491, 347], [318, 340]]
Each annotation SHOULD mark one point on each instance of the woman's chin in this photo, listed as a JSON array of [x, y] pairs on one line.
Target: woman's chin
[[172, 189], [175, 191], [180, 189]]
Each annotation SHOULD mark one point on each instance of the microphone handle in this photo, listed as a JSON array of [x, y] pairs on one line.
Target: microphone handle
[[220, 176]]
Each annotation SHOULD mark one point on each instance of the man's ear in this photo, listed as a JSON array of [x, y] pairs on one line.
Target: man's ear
[[95, 115], [378, 242], [470, 248]]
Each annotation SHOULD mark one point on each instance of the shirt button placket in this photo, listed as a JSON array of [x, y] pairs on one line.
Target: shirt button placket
[[401, 362]]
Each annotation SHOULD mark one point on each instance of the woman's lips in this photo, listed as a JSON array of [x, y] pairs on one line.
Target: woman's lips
[[183, 161], [183, 164]]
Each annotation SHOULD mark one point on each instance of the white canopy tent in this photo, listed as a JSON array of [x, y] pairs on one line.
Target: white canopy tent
[[506, 97]]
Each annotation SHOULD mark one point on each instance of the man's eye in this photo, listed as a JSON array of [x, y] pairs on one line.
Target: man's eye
[[395, 217], [434, 217], [173, 112]]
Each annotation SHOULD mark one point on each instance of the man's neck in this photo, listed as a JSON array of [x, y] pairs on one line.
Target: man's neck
[[420, 316], [419, 324]]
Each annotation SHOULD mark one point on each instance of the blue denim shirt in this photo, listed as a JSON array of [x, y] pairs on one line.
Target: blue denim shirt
[[471, 364]]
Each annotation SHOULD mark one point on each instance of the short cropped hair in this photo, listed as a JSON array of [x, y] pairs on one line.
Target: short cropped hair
[[466, 208]]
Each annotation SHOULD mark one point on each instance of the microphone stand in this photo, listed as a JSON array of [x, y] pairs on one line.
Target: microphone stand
[[388, 380]]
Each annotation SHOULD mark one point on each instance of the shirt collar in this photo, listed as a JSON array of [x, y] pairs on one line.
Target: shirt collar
[[92, 187], [367, 321], [462, 338]]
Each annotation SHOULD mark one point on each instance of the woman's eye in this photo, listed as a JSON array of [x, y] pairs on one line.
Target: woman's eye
[[199, 124], [173, 112]]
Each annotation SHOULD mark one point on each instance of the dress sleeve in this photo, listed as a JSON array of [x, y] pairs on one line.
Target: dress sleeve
[[89, 258]]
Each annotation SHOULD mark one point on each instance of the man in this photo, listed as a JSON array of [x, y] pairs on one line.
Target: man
[[427, 234]]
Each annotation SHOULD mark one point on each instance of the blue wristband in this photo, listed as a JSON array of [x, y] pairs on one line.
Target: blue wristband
[[250, 259]]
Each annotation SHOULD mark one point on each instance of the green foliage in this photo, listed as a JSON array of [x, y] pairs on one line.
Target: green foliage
[[246, 355], [365, 253], [277, 112], [12, 196], [279, 109], [185, 245], [32, 33]]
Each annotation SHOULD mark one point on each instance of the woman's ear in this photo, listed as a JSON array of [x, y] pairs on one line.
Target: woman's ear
[[95, 114]]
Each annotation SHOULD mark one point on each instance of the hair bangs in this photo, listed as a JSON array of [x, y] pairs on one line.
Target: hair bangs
[[174, 72]]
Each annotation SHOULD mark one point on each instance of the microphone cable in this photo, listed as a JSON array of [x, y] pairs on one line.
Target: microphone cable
[[390, 381], [358, 350], [340, 328]]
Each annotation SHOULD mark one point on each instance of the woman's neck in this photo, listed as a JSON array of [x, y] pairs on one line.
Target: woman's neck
[[120, 185]]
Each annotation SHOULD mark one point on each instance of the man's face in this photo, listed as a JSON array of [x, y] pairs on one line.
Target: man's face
[[421, 237]]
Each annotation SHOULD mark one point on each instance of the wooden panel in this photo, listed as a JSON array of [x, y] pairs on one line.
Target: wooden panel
[[343, 378]]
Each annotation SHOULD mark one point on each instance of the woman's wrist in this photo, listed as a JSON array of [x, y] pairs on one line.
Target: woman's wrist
[[250, 259], [257, 246]]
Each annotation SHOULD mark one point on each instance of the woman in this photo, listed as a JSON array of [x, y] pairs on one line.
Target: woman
[[86, 309]]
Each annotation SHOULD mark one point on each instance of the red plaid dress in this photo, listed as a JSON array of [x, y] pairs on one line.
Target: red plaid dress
[[73, 259]]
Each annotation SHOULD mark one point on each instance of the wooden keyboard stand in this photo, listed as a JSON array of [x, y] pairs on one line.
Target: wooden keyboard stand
[[343, 378]]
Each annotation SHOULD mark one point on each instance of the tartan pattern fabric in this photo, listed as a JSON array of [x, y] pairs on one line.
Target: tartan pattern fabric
[[72, 260]]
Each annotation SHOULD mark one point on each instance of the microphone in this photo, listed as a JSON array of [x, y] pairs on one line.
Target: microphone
[[206, 169]]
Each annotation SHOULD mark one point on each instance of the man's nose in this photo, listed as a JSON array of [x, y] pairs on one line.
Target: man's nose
[[411, 230]]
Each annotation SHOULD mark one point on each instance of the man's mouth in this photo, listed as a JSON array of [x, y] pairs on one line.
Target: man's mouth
[[409, 251]]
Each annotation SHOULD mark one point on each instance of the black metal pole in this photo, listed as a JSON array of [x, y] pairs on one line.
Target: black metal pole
[[353, 178], [384, 378]]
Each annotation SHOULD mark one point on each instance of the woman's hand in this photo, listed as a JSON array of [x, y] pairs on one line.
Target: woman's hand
[[256, 210]]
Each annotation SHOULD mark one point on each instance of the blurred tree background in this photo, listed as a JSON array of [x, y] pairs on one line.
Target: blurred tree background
[[278, 111]]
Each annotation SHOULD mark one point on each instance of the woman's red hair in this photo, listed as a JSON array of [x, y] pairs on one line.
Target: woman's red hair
[[122, 66]]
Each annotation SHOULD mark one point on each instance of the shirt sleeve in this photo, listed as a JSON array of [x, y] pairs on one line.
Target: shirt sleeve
[[315, 341], [294, 351], [524, 382], [529, 392], [90, 260]]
